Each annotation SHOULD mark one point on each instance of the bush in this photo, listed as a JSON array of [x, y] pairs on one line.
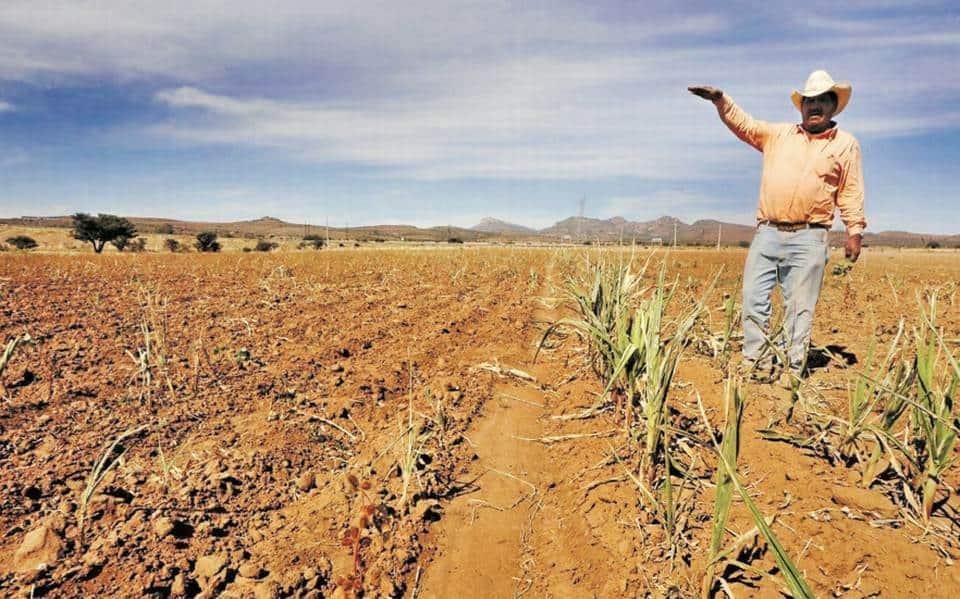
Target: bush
[[165, 229], [454, 240], [265, 246], [933, 245], [315, 241], [171, 244], [22, 242], [207, 242], [101, 229], [743, 244], [138, 245], [121, 243]]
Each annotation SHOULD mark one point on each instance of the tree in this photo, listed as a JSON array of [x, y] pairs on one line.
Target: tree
[[171, 244], [101, 229], [22, 242], [933, 245], [207, 242]]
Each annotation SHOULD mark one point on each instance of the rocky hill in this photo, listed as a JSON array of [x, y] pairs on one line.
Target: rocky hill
[[501, 227]]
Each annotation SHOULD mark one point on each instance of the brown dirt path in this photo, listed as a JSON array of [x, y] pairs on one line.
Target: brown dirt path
[[481, 534], [483, 540]]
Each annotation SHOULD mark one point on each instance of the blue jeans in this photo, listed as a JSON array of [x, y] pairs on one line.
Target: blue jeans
[[796, 260]]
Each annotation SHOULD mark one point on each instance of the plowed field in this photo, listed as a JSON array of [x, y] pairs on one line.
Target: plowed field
[[370, 422]]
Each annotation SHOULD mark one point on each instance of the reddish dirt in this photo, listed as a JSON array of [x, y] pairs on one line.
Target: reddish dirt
[[277, 382]]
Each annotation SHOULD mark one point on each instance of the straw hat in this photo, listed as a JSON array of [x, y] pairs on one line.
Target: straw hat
[[820, 82]]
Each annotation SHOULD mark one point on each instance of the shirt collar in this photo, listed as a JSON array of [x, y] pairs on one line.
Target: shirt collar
[[830, 133]]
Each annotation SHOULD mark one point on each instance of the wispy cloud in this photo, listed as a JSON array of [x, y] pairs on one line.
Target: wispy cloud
[[439, 94], [552, 130]]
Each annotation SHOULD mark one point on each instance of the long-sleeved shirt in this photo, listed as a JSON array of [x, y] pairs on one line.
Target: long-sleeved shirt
[[804, 175]]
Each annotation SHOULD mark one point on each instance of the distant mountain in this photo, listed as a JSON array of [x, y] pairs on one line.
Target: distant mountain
[[502, 227], [660, 230], [570, 230]]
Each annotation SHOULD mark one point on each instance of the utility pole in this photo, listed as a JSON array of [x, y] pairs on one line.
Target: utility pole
[[719, 234], [583, 200], [674, 234]]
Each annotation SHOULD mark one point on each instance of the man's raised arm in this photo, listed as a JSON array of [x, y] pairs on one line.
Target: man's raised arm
[[744, 126]]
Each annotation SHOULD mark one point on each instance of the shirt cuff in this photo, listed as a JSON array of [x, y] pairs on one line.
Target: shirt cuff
[[854, 230]]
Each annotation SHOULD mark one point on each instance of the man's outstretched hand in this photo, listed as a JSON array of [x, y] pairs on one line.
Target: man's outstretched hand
[[852, 249], [706, 92]]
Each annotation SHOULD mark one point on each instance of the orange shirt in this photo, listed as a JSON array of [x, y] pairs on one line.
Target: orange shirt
[[804, 175]]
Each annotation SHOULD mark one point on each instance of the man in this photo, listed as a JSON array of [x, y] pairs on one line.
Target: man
[[808, 169]]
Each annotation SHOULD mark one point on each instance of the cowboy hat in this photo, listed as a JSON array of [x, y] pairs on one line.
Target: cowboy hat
[[820, 82]]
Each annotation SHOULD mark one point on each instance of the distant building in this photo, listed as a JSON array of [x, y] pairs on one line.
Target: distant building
[[656, 241]]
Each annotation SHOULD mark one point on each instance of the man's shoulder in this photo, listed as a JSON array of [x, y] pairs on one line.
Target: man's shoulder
[[846, 138], [781, 129]]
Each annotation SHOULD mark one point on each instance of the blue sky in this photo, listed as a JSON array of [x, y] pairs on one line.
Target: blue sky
[[443, 112]]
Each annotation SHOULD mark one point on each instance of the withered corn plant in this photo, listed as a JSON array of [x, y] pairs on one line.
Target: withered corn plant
[[934, 419], [893, 406], [871, 388], [733, 400], [792, 577], [648, 362], [635, 339], [12, 346], [603, 300]]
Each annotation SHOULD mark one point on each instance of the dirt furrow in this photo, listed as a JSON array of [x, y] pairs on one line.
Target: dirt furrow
[[479, 538], [482, 543]]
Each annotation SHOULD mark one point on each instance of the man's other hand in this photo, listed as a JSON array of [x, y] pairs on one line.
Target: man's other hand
[[854, 244], [706, 92]]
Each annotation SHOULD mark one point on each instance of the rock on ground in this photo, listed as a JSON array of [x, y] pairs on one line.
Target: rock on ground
[[42, 545]]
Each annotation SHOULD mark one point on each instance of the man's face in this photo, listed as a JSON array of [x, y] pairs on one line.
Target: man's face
[[817, 112]]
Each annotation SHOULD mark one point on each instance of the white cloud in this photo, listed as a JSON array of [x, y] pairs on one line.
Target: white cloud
[[6, 106], [194, 40], [522, 131], [438, 91]]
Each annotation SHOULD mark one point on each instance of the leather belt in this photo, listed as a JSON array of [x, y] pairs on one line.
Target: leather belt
[[792, 226]]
